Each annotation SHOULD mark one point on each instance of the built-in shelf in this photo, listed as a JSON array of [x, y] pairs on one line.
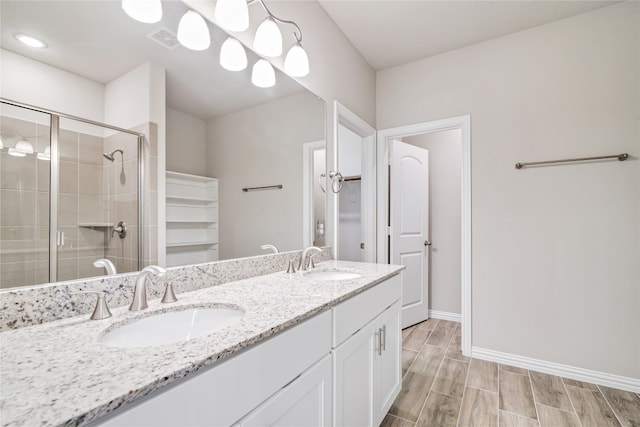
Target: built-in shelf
[[191, 218], [181, 244], [189, 221], [191, 199]]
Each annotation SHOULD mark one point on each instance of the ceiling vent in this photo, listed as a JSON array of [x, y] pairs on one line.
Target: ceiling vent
[[165, 37]]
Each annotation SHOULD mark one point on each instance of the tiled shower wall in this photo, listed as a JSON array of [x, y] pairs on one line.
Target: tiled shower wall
[[120, 185], [81, 214]]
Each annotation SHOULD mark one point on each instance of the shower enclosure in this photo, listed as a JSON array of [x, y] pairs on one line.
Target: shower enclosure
[[70, 194]]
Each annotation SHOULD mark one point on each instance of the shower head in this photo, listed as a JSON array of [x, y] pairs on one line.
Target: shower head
[[111, 156]]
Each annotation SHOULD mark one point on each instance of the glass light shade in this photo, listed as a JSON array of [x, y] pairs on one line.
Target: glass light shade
[[296, 63], [147, 11], [262, 74], [232, 15], [30, 41], [46, 155], [193, 32], [232, 55], [268, 39], [1, 143], [23, 147]]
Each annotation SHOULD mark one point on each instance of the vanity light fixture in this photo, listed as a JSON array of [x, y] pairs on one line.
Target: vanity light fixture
[[232, 15], [46, 155], [22, 148], [232, 55], [30, 41], [146, 11], [267, 43], [262, 74], [296, 63], [268, 39], [193, 32]]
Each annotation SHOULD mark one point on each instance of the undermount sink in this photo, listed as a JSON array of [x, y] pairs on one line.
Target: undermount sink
[[170, 327], [332, 275]]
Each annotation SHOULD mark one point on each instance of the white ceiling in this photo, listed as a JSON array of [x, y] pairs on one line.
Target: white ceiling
[[393, 32]]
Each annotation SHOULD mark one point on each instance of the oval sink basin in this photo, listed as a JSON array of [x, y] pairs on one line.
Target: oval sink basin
[[332, 275], [171, 327]]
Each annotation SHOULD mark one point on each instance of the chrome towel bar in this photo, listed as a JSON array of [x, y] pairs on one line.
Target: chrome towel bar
[[620, 157], [267, 187]]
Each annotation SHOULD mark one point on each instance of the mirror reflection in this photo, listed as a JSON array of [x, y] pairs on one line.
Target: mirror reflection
[[214, 124]]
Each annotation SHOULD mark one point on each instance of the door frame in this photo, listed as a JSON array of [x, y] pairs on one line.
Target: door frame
[[308, 181], [345, 117], [383, 137]]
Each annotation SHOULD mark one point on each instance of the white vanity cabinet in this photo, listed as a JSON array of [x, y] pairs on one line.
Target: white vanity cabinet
[[367, 364], [341, 367], [304, 402], [225, 393]]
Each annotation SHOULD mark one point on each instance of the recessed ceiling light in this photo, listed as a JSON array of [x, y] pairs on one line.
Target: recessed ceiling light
[[30, 41]]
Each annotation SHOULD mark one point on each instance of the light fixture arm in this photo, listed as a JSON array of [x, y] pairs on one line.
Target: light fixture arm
[[298, 35]]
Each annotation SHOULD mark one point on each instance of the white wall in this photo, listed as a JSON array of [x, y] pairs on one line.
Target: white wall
[[555, 250], [32, 82], [445, 157], [257, 147], [186, 143]]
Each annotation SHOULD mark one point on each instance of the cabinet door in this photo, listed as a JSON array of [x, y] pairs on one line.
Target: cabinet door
[[353, 380], [387, 365], [304, 402]]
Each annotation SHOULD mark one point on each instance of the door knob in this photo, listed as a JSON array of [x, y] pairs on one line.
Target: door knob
[[427, 243]]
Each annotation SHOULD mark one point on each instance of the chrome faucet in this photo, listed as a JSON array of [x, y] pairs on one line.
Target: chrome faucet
[[302, 266], [107, 265], [140, 291]]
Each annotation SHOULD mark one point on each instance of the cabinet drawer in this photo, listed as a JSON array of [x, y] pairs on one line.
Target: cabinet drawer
[[356, 312], [227, 391]]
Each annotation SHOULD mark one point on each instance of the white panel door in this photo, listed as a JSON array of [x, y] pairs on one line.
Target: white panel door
[[409, 233]]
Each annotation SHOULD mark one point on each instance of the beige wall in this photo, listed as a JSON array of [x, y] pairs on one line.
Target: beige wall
[[256, 147], [186, 143], [445, 159], [555, 250]]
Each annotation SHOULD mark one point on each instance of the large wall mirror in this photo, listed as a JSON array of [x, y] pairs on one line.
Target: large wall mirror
[[217, 124]]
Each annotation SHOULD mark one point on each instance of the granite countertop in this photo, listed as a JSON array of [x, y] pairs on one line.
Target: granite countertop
[[58, 373]]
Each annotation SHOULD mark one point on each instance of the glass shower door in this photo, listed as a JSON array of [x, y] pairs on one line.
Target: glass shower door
[[24, 196], [69, 195], [97, 199]]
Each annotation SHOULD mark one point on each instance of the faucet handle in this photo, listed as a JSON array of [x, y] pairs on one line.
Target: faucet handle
[[169, 295], [311, 263], [102, 310], [292, 267]]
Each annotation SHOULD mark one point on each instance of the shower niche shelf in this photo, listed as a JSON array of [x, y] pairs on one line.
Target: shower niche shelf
[[191, 219]]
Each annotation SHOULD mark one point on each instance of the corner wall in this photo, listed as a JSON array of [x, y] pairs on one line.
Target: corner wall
[[556, 249]]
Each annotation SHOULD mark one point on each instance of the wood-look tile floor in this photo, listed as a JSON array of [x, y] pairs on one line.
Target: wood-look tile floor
[[441, 387]]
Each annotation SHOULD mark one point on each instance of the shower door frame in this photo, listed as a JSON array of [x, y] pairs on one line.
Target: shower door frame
[[54, 179]]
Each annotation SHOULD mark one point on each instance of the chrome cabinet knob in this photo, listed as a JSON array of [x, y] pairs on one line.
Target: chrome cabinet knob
[[427, 243]]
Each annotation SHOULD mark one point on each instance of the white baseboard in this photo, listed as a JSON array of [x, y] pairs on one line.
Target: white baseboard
[[571, 372], [443, 315]]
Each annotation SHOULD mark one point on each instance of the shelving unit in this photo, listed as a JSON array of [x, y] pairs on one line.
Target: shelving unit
[[191, 218]]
